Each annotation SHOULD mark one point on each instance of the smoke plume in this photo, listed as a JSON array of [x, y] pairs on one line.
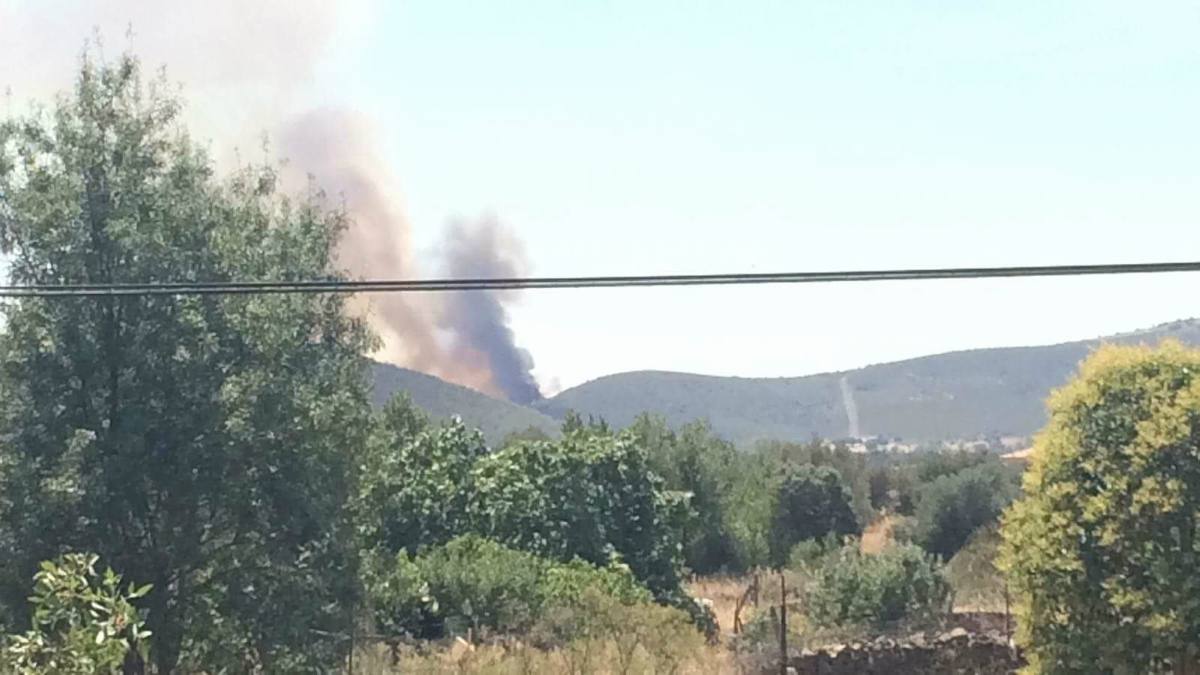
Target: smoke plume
[[478, 320], [463, 337], [250, 69]]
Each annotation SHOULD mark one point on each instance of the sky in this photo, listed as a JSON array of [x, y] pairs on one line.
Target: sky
[[622, 137]]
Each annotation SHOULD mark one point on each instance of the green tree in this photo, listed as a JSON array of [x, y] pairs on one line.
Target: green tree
[[811, 503], [416, 481], [696, 462], [1102, 551], [850, 465], [84, 623], [590, 495], [204, 444], [953, 506]]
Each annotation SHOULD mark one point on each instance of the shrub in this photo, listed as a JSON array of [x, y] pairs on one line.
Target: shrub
[[853, 588], [83, 622], [973, 575], [953, 506], [583, 625], [476, 583], [399, 600], [810, 552], [1101, 552], [481, 584]]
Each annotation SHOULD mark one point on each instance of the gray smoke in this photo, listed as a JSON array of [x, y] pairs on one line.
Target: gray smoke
[[463, 337], [478, 320], [250, 68]]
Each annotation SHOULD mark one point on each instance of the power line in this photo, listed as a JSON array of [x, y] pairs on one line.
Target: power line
[[484, 284]]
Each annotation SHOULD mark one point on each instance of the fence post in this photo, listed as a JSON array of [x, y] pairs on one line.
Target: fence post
[[783, 649], [353, 641], [1007, 628]]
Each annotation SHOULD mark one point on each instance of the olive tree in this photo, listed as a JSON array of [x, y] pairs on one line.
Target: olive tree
[[811, 503], [202, 444], [1102, 551]]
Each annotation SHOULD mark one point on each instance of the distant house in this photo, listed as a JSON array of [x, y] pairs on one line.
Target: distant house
[[1018, 456]]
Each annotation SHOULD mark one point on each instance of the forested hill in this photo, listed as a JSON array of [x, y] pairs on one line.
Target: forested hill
[[442, 399], [953, 395]]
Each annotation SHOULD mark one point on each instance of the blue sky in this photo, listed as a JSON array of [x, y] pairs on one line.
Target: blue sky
[[642, 137]]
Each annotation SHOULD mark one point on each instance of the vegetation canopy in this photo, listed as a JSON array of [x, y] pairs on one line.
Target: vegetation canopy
[[205, 445], [1102, 550]]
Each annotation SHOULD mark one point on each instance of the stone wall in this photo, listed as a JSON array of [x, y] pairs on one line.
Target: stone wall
[[956, 651]]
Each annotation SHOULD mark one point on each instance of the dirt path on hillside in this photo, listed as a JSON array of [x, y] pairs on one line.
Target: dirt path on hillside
[[853, 430]]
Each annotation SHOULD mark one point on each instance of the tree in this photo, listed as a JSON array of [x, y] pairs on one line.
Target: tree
[[1101, 552], [416, 481], [811, 503], [203, 444], [952, 507], [590, 495], [696, 462]]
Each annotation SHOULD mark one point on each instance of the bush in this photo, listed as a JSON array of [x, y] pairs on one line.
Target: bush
[[953, 506], [662, 636], [810, 552], [852, 588], [973, 575], [479, 584], [399, 600], [1101, 552], [597, 635], [83, 622]]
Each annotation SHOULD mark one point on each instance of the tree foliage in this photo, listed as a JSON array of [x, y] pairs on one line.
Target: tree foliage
[[590, 495], [696, 462], [953, 506], [474, 583], [1102, 552], [811, 503], [854, 588], [83, 622], [203, 444], [416, 481]]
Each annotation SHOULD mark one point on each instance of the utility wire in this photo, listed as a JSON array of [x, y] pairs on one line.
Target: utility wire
[[485, 284]]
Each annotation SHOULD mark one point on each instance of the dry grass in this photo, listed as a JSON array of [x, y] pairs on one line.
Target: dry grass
[[723, 592], [591, 657], [877, 535]]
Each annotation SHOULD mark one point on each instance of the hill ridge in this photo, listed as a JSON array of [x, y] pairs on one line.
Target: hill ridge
[[958, 394]]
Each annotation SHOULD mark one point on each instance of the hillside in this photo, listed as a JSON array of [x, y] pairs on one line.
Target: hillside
[[954, 395], [442, 399]]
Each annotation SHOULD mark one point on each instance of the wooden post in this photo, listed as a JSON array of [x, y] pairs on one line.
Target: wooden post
[[1007, 629], [783, 650], [350, 657]]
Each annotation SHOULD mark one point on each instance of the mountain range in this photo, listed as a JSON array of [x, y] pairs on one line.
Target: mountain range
[[956, 395]]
